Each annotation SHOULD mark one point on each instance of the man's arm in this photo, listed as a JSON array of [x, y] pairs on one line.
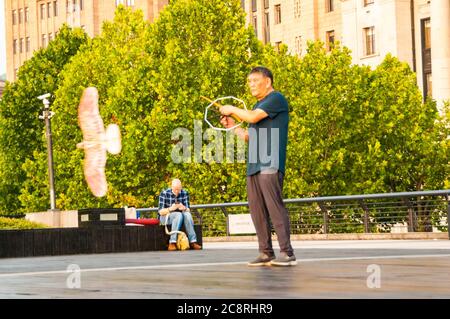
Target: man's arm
[[249, 116], [187, 204], [162, 209]]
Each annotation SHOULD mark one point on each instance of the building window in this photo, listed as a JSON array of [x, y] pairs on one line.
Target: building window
[[50, 37], [330, 39], [298, 45], [14, 17], [49, 10], [81, 5], [329, 5], [27, 14], [21, 16], [44, 40], [266, 27], [55, 8], [367, 2], [255, 24], [72, 5], [426, 57], [43, 11], [15, 46], [22, 45], [278, 14], [254, 5], [266, 4], [369, 41], [426, 34], [297, 9], [130, 3], [28, 44], [429, 85]]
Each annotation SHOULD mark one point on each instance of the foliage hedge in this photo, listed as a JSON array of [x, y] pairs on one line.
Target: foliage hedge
[[17, 223]]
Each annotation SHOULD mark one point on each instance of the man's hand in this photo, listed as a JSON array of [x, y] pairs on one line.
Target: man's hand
[[164, 212], [227, 121], [181, 207], [173, 207], [226, 109]]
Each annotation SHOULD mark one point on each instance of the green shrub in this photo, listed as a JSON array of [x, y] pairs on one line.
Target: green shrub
[[18, 223]]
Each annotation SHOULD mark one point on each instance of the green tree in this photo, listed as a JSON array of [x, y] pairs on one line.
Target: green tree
[[355, 130], [200, 47], [405, 129], [150, 79], [21, 131], [117, 64]]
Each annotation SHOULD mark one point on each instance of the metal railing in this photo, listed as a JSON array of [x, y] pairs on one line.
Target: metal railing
[[424, 211]]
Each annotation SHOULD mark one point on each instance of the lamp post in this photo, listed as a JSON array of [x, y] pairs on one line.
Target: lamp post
[[46, 116]]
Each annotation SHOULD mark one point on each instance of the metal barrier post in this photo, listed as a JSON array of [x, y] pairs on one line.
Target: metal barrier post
[[325, 217], [366, 216], [411, 220], [448, 216], [224, 211]]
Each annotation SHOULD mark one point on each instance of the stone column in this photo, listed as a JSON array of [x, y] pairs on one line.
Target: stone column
[[440, 50]]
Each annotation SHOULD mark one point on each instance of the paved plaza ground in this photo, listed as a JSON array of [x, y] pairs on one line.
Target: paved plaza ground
[[326, 269]]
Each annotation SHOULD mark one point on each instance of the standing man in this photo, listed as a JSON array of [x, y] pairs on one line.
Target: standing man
[[267, 137], [174, 205]]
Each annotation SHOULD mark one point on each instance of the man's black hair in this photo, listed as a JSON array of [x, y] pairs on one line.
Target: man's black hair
[[264, 71]]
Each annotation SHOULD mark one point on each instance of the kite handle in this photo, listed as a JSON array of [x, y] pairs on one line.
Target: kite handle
[[235, 117]]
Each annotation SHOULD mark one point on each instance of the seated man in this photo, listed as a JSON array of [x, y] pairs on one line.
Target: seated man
[[174, 205]]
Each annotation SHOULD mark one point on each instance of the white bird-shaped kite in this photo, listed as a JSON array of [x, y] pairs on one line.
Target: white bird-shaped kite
[[96, 141]]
